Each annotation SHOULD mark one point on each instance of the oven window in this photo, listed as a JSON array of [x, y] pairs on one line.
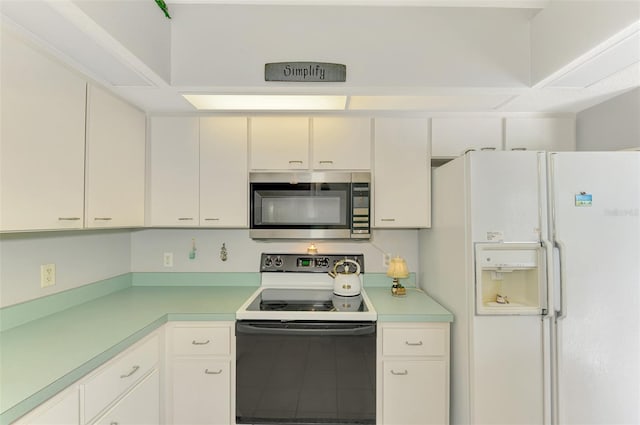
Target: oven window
[[320, 373], [301, 205]]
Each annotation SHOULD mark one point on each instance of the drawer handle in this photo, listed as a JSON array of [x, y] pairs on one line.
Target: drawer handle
[[134, 370], [102, 218], [414, 344], [68, 218], [209, 372], [194, 342], [387, 219], [212, 219], [404, 372], [185, 218], [326, 162], [295, 162]]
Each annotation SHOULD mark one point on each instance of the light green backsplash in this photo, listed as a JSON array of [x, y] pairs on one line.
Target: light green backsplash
[[19, 314], [378, 280], [196, 279]]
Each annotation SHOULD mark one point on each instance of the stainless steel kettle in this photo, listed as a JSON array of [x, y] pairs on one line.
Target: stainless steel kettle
[[346, 283]]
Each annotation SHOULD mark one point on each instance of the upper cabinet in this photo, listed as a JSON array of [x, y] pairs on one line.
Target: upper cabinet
[[173, 180], [115, 161], [540, 133], [341, 143], [336, 143], [224, 189], [43, 136], [279, 143], [452, 137], [402, 173]]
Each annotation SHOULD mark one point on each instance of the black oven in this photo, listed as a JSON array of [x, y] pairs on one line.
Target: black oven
[[305, 372], [324, 205]]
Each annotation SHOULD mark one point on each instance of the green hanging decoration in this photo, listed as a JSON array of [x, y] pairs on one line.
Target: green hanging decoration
[[162, 5]]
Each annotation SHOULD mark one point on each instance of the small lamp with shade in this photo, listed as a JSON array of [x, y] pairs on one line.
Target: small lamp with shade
[[398, 270]]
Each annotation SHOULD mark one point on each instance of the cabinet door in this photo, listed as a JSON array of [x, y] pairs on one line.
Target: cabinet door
[[114, 194], [402, 173], [174, 174], [279, 143], [201, 391], [63, 409], [140, 406], [544, 134], [42, 133], [415, 392], [224, 182], [341, 143], [451, 137]]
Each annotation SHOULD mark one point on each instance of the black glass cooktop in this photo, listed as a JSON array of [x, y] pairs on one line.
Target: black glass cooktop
[[281, 299]]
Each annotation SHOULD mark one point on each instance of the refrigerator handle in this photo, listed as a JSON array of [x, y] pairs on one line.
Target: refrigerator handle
[[562, 313], [548, 250]]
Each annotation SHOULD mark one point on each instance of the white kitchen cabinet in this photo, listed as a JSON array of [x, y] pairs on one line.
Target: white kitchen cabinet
[[279, 143], [402, 173], [43, 134], [540, 133], [140, 406], [224, 187], [453, 136], [201, 373], [413, 373], [342, 143], [119, 376], [174, 175], [63, 409], [115, 162]]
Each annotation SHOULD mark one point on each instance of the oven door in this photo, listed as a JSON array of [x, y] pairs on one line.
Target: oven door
[[305, 372]]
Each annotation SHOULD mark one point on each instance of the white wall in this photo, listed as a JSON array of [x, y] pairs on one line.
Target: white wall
[[612, 125], [565, 30], [228, 46], [80, 257], [148, 247]]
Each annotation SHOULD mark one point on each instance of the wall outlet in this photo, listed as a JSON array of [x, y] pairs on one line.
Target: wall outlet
[[47, 275], [167, 259], [386, 259]]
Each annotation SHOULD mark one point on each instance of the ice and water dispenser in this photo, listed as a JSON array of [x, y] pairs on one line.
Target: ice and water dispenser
[[510, 278]]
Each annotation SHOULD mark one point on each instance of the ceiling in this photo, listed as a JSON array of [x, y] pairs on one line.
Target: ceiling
[[454, 61]]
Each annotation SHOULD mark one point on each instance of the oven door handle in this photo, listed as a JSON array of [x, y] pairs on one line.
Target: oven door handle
[[314, 328]]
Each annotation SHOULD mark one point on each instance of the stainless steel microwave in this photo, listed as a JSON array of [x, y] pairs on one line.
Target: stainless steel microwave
[[323, 205]]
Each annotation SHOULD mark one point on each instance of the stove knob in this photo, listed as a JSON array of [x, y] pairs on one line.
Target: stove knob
[[268, 262], [277, 262]]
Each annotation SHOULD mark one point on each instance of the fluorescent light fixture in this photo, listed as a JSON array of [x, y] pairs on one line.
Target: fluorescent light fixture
[[266, 102]]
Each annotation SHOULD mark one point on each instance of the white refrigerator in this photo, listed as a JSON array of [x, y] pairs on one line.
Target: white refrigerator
[[532, 253]]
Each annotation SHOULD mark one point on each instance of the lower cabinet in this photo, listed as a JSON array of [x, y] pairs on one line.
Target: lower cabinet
[[201, 373], [413, 373], [140, 406], [63, 409]]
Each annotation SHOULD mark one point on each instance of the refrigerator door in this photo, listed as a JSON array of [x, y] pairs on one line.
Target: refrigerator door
[[596, 226], [507, 196]]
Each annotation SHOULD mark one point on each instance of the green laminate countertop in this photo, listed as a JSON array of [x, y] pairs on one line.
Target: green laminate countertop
[[42, 357], [416, 306]]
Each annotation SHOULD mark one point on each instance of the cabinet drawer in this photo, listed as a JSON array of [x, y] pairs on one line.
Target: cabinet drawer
[[201, 340], [414, 342], [119, 375]]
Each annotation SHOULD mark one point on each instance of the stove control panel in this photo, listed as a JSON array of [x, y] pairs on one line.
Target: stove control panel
[[305, 263]]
